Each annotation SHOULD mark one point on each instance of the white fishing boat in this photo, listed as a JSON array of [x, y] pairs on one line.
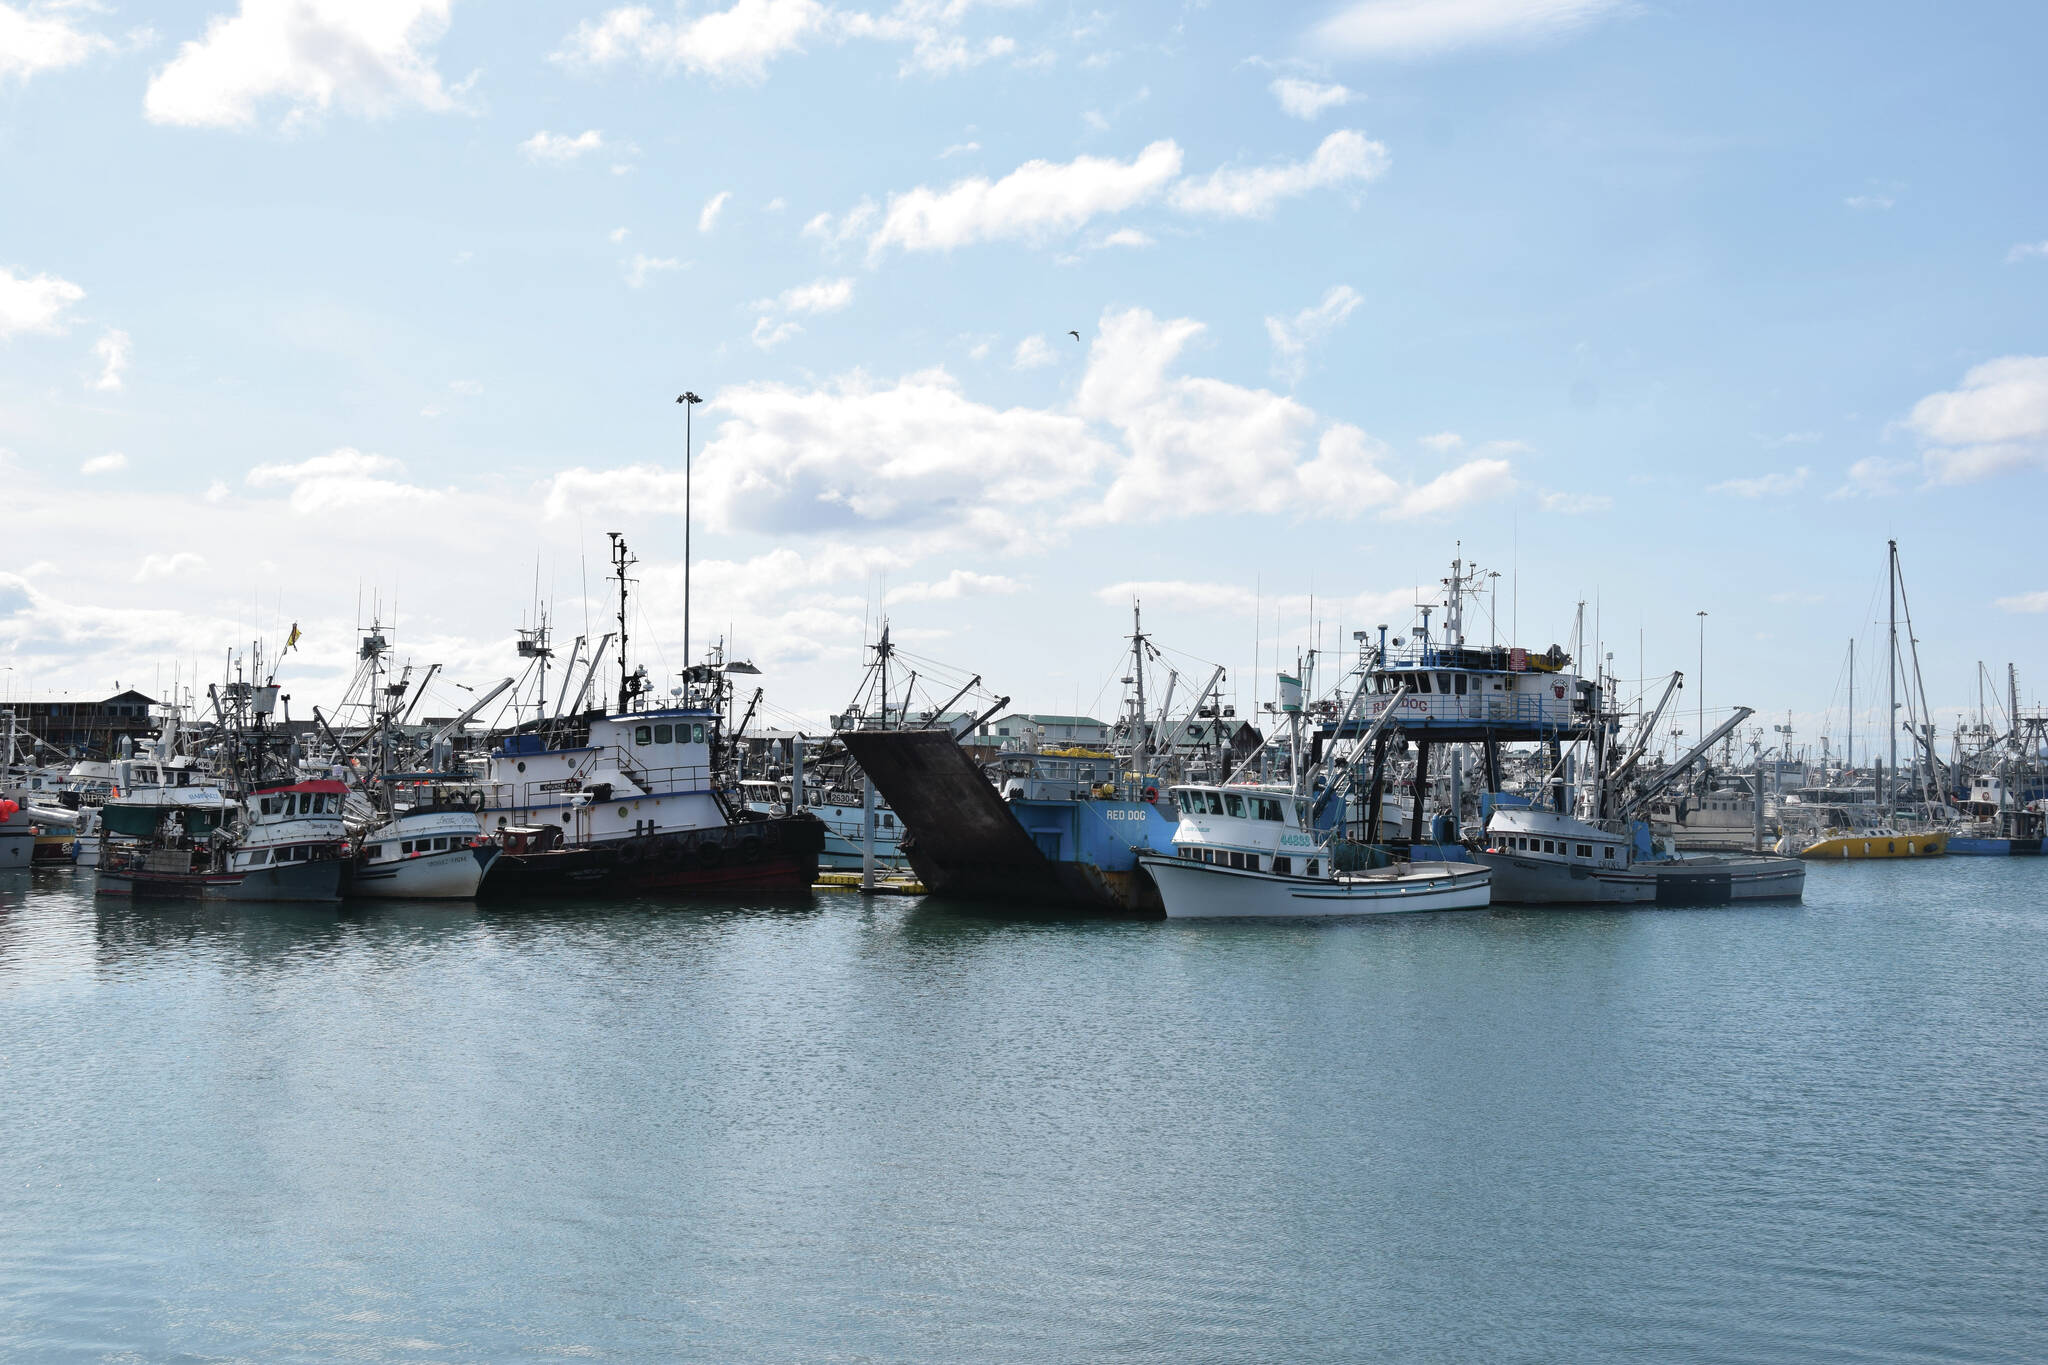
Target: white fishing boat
[[1545, 857], [431, 847], [1246, 853]]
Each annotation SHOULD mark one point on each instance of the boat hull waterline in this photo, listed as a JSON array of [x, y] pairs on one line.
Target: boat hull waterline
[[1195, 890]]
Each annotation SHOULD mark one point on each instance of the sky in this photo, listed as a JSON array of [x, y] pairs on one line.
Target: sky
[[1005, 313]]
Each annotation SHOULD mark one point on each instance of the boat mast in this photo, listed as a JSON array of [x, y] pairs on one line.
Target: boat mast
[[1852, 703], [621, 561], [1141, 739], [1892, 674]]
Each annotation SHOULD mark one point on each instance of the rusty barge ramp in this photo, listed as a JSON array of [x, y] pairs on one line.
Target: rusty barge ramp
[[965, 841]]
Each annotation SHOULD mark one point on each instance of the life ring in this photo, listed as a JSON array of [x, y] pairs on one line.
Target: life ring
[[750, 850], [710, 854], [1151, 796]]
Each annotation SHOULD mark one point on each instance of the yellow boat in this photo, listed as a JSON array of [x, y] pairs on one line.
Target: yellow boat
[[1872, 843]]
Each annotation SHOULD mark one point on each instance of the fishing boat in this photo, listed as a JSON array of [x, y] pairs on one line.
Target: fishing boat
[[430, 845], [1247, 853], [17, 833], [631, 799], [283, 843], [1546, 857], [1998, 826], [843, 814]]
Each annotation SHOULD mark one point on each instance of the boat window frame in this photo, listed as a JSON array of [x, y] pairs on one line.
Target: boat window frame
[[664, 734], [1233, 805], [643, 735]]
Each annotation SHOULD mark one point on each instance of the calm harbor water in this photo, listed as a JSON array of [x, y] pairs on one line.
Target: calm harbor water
[[839, 1129]]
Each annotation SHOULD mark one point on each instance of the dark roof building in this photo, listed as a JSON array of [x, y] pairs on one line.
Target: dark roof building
[[87, 729]]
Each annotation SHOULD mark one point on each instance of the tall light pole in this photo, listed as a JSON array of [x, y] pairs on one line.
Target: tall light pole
[[1703, 676], [689, 401]]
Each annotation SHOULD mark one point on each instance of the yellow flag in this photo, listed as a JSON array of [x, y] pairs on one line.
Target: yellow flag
[[293, 638]]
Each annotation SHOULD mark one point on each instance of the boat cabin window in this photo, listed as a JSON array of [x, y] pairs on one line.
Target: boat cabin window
[[1283, 865], [1585, 850], [1422, 682], [374, 851], [664, 734], [1459, 678], [259, 857], [1547, 848], [1314, 867], [696, 734], [643, 734], [1267, 808], [1234, 804], [1443, 683], [270, 804], [405, 846], [1608, 854]]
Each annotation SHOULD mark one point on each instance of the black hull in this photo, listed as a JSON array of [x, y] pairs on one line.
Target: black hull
[[962, 840], [779, 854]]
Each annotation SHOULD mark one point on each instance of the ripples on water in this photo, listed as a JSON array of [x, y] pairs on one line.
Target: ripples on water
[[836, 1128]]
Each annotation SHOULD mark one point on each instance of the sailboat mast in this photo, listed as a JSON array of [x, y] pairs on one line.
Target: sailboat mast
[[1892, 673], [1852, 703]]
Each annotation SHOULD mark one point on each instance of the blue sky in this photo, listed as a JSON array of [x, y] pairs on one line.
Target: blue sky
[[1665, 306]]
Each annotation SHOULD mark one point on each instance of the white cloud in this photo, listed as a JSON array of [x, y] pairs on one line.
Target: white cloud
[[643, 267], [559, 149], [773, 326], [1130, 237], [1575, 504], [1995, 423], [1870, 203], [43, 37], [733, 44], [619, 234], [167, 565], [1203, 446], [34, 303], [1291, 337], [343, 480], [1032, 353], [1308, 99], [1764, 485], [1345, 157], [770, 332], [918, 464], [739, 42], [957, 584], [365, 57], [715, 205], [1874, 477], [1234, 599], [1038, 201], [819, 296], [1443, 441], [2025, 602], [959, 149], [1407, 29], [112, 349], [468, 387], [111, 463], [2027, 251]]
